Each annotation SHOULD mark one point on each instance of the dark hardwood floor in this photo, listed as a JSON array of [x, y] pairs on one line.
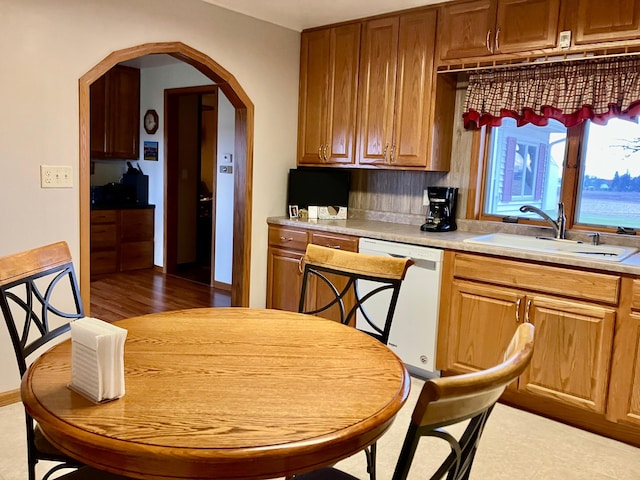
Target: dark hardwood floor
[[128, 294]]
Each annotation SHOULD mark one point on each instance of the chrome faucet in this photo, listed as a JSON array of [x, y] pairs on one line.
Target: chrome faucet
[[559, 225]]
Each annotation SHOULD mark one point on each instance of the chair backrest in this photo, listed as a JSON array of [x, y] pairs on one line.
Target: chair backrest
[[38, 287], [347, 282], [450, 400]]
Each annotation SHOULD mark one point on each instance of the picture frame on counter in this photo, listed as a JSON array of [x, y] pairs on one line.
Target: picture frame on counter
[[151, 151], [293, 211]]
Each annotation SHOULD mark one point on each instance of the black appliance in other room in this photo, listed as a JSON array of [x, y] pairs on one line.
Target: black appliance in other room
[[441, 213]]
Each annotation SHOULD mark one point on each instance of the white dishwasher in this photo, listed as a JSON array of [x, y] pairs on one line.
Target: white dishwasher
[[414, 330]]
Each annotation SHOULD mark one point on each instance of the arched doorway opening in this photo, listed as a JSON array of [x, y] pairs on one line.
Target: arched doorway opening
[[243, 157]]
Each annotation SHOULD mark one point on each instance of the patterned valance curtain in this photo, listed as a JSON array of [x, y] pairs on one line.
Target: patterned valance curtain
[[571, 93]]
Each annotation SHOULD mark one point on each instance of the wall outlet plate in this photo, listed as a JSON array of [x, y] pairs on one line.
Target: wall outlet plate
[[56, 176], [564, 41], [227, 158]]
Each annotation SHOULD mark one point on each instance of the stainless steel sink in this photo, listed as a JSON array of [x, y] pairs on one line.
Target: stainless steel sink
[[604, 253]]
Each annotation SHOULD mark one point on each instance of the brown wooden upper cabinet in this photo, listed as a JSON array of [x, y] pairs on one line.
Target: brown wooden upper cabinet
[[328, 95], [115, 114], [479, 28], [396, 98], [600, 21]]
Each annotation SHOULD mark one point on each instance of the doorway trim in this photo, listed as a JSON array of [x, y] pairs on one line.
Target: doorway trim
[[243, 158]]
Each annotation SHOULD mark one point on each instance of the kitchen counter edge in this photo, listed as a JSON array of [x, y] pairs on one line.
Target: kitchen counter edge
[[411, 234]]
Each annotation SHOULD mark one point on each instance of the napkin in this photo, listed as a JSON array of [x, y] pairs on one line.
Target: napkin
[[97, 359]]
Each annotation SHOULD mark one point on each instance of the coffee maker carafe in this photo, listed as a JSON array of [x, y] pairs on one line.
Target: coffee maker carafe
[[441, 213]]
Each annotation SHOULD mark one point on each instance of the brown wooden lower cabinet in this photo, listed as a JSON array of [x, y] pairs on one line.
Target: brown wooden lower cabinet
[[284, 270], [585, 369], [121, 240]]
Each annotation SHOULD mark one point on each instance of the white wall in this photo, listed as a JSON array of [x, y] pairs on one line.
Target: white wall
[[52, 44], [224, 192], [153, 82]]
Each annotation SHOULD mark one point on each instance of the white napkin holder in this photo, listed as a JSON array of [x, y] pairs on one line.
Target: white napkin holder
[[97, 359]]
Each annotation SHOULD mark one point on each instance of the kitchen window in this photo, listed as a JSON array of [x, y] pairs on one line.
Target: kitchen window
[[594, 169], [558, 132]]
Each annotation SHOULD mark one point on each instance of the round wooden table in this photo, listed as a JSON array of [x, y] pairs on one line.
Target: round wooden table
[[225, 393]]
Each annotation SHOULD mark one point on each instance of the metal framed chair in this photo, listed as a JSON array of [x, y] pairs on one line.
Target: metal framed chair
[[39, 295], [450, 400], [352, 282]]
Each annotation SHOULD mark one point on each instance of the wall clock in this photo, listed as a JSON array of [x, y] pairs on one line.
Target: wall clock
[[151, 121]]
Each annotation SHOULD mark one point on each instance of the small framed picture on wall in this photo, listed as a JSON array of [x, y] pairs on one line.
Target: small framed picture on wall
[[151, 151]]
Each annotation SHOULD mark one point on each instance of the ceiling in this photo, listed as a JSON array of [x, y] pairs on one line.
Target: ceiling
[[301, 14], [296, 15]]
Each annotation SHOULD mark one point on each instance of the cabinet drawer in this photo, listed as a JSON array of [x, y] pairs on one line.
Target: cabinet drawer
[[137, 225], [103, 236], [136, 255], [105, 261], [289, 238], [103, 216], [341, 242], [559, 281]]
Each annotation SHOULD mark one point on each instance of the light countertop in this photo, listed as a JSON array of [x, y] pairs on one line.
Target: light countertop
[[411, 234]]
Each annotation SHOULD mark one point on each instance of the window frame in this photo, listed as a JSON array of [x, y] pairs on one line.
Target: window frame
[[568, 191]]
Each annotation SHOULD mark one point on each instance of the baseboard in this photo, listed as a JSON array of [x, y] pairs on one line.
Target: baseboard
[[222, 286], [7, 398]]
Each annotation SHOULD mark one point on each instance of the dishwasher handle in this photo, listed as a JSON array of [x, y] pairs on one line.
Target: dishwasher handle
[[418, 262]]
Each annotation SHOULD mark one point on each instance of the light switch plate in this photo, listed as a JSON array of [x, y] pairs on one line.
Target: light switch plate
[[56, 176]]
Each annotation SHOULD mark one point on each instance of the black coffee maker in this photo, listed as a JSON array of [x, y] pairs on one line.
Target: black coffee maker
[[441, 214]]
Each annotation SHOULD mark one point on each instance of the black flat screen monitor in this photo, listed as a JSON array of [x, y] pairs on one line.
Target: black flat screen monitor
[[317, 187]]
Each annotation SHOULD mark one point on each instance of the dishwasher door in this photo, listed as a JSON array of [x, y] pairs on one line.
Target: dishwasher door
[[414, 330]]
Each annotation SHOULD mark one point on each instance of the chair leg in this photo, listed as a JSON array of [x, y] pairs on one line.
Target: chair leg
[[406, 454], [32, 471], [371, 460]]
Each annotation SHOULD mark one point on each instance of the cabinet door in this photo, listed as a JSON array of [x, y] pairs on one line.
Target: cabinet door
[[624, 395], [98, 118], [314, 87], [343, 94], [136, 225], [466, 29], [124, 113], [524, 25], [378, 85], [600, 21], [572, 354], [284, 279], [416, 46], [328, 95], [483, 320]]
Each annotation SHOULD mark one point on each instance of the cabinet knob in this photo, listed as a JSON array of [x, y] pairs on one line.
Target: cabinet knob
[[393, 152], [320, 152], [286, 239], [518, 310], [486, 42], [497, 43]]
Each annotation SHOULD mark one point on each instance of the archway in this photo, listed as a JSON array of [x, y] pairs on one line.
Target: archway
[[243, 158]]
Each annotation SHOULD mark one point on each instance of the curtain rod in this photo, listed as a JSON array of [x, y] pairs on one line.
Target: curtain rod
[[557, 59]]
